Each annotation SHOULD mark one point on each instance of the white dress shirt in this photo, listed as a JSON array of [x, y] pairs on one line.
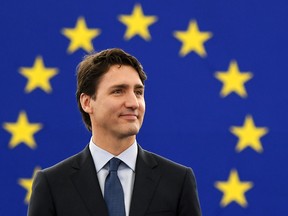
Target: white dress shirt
[[126, 172]]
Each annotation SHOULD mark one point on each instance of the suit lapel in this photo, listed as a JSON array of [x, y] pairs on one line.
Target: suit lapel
[[146, 180], [86, 182]]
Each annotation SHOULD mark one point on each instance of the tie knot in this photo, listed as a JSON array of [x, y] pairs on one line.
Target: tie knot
[[114, 164]]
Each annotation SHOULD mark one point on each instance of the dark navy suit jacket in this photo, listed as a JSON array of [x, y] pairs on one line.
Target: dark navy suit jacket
[[71, 188]]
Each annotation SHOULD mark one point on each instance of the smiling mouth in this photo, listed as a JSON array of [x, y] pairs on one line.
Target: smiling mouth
[[129, 116]]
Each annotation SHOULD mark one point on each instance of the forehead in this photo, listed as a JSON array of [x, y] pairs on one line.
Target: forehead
[[120, 74]]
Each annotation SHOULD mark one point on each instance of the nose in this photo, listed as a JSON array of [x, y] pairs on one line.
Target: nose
[[131, 101]]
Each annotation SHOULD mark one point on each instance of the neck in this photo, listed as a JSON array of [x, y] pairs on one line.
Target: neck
[[113, 145]]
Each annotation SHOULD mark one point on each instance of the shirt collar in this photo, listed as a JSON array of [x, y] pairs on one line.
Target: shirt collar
[[101, 156]]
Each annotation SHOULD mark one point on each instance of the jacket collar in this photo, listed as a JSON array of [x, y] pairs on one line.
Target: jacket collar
[[146, 180], [86, 182]]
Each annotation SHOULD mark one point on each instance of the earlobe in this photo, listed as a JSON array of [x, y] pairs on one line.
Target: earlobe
[[85, 103]]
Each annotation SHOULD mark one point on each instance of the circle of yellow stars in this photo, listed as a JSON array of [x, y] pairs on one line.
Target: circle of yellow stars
[[137, 25]]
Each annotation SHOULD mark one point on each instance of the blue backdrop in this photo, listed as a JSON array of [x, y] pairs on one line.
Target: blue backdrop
[[216, 93]]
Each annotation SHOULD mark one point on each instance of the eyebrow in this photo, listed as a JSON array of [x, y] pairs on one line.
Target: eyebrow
[[137, 86]]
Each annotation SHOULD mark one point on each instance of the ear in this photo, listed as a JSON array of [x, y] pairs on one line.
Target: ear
[[85, 101]]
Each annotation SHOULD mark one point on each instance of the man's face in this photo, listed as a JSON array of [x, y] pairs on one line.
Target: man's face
[[119, 107]]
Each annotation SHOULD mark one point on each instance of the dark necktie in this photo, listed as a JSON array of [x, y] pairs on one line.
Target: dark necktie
[[113, 192]]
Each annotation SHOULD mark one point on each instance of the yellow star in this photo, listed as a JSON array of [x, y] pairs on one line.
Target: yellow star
[[38, 76], [233, 190], [22, 131], [27, 184], [249, 135], [137, 23], [233, 80], [80, 36], [192, 39]]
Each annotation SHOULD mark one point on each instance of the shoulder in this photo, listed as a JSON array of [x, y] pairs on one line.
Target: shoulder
[[153, 159], [69, 165], [164, 165], [163, 161]]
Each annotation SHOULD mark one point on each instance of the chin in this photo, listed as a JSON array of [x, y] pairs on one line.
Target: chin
[[128, 130], [127, 134], [132, 131]]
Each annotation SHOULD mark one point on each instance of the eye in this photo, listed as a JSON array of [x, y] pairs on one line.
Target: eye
[[117, 91], [139, 92]]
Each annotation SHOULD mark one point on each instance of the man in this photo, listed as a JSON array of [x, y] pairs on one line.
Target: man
[[110, 96]]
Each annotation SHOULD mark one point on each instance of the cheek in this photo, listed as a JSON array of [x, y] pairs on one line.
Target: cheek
[[113, 109], [142, 106], [108, 105]]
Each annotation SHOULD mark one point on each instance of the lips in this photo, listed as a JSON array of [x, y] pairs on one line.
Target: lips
[[129, 116]]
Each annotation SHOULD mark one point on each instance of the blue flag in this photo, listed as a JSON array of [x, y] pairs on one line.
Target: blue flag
[[216, 94]]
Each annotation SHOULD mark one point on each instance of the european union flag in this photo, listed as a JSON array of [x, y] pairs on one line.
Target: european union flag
[[216, 93]]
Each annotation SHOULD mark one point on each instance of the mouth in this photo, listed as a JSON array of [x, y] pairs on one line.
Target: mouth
[[129, 116]]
